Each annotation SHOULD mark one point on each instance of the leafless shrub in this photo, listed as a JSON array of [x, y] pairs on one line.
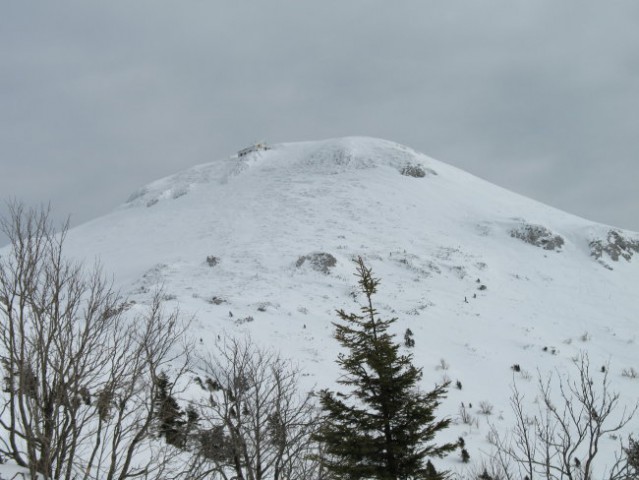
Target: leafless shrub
[[442, 365], [632, 455], [485, 408], [466, 417], [626, 465], [630, 373], [525, 375], [79, 394], [254, 422], [561, 440]]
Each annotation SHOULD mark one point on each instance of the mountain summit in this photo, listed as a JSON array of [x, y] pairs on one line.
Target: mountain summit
[[263, 243]]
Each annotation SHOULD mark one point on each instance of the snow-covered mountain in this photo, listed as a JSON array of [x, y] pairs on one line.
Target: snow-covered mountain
[[485, 278]]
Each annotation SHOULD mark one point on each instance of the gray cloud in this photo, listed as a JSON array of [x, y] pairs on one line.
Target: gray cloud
[[539, 97]]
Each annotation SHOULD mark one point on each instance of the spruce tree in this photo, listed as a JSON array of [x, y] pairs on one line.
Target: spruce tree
[[384, 426]]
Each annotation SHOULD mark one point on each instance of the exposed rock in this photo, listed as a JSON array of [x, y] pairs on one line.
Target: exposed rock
[[615, 246], [538, 235], [319, 261], [416, 170]]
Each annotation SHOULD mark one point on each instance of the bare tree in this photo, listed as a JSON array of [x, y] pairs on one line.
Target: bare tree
[[255, 423], [562, 439], [79, 373], [626, 465]]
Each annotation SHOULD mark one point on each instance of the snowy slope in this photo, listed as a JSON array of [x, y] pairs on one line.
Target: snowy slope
[[442, 243]]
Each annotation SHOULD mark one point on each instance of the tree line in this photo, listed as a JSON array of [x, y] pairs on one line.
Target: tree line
[[94, 387]]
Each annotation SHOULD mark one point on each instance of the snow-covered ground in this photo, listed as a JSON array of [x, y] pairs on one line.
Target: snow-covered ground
[[444, 244]]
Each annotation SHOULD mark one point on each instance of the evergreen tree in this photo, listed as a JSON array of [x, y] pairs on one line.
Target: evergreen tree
[[169, 414], [465, 456], [632, 455], [409, 341], [385, 426]]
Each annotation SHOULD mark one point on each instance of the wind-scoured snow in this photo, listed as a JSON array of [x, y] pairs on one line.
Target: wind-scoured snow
[[464, 264]]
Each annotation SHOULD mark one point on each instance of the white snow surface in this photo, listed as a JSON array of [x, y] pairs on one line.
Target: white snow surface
[[432, 240]]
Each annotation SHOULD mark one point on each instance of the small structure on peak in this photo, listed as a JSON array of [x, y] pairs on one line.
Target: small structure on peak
[[256, 147]]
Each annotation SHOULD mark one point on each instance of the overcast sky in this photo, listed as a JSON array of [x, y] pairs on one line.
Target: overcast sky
[[540, 97]]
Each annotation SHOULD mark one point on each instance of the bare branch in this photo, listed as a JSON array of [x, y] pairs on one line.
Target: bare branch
[[255, 422], [561, 441], [78, 393]]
